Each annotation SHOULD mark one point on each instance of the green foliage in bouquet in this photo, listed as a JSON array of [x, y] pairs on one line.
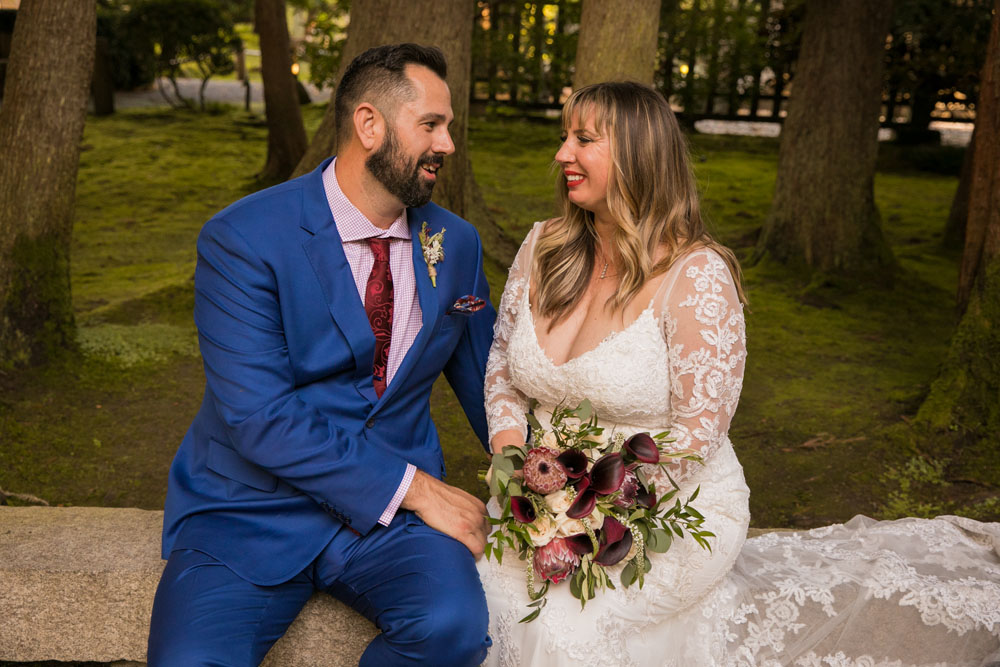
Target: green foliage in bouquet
[[575, 502]]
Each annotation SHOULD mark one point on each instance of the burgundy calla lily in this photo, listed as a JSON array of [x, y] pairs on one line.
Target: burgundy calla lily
[[522, 509], [574, 462], [607, 474], [615, 541], [643, 447], [605, 477], [586, 499], [645, 498], [580, 544]]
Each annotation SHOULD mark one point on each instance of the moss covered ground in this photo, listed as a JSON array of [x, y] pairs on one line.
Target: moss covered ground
[[834, 376]]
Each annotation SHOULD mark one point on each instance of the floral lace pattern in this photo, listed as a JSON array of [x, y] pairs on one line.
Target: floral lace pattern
[[678, 365], [908, 593]]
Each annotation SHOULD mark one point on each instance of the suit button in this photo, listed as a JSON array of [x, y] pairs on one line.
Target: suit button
[[370, 423]]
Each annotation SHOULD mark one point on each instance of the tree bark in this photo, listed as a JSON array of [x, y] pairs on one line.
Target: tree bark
[[102, 86], [41, 124], [616, 44], [712, 72], [693, 34], [286, 135], [966, 393], [446, 24], [954, 229], [823, 215], [982, 230]]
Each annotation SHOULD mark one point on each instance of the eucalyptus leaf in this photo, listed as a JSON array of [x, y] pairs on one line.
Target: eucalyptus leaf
[[530, 617], [629, 574], [584, 410], [533, 422]]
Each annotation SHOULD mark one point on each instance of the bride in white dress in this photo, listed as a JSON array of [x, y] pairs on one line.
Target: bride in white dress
[[627, 301]]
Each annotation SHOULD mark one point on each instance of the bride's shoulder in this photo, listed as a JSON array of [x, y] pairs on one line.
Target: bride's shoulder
[[700, 258], [537, 229]]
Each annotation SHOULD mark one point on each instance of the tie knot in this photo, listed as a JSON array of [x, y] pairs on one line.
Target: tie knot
[[380, 248]]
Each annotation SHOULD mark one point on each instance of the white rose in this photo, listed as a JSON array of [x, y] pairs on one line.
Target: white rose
[[572, 423], [542, 530], [568, 526], [600, 438], [549, 440], [558, 501]]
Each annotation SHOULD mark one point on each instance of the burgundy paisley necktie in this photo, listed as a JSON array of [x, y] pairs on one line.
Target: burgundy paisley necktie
[[378, 307]]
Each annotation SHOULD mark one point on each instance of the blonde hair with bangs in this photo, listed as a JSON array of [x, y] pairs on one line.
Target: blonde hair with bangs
[[652, 196]]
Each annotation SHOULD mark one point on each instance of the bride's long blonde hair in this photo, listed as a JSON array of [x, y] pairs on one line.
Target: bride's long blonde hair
[[651, 194]]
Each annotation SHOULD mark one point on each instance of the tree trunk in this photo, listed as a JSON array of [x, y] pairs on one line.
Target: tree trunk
[[516, 17], [736, 65], [967, 392], [982, 230], [539, 87], [823, 215], [102, 86], [615, 44], [954, 229], [694, 26], [41, 124], [286, 135], [444, 23], [712, 73]]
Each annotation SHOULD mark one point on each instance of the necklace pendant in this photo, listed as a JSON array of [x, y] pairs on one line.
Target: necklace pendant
[[604, 271]]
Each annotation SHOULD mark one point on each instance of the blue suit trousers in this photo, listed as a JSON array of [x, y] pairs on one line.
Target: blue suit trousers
[[417, 585]]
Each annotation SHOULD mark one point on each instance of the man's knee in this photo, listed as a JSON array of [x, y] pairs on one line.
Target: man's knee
[[452, 631]]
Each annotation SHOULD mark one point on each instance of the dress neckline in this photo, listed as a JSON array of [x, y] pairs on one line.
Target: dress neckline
[[607, 339]]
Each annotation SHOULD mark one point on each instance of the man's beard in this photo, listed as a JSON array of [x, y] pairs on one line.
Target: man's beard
[[400, 175]]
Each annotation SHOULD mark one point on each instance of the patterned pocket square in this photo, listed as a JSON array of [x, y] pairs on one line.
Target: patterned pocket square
[[468, 304]]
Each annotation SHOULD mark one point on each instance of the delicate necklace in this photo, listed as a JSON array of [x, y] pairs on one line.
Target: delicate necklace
[[604, 271]]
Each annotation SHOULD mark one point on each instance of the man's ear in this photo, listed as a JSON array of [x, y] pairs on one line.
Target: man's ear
[[369, 125]]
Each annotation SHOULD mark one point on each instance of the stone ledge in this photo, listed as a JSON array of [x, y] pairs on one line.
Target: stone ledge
[[77, 584]]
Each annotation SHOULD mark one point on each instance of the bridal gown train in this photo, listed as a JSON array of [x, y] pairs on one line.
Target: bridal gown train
[[865, 593]]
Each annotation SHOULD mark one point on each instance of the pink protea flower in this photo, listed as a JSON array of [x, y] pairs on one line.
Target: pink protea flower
[[542, 473], [555, 561]]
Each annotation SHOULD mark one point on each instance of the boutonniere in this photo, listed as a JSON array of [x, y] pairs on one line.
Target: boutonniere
[[433, 252]]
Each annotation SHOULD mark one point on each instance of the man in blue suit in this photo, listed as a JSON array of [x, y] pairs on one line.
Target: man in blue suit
[[313, 463]]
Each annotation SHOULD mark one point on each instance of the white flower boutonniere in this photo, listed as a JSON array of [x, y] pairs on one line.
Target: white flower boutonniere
[[433, 250]]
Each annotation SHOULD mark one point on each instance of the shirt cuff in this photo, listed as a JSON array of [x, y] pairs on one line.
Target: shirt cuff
[[397, 499]]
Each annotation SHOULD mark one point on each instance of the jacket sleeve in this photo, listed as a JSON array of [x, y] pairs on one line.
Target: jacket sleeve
[[252, 386]]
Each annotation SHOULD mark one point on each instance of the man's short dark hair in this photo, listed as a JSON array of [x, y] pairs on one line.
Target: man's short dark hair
[[377, 76]]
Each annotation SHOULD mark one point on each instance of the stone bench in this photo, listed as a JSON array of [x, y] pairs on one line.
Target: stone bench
[[77, 584]]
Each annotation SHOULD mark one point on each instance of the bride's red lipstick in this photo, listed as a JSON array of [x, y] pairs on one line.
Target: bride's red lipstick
[[572, 184]]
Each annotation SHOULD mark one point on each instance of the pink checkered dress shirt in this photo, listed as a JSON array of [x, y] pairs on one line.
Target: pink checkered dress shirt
[[355, 230]]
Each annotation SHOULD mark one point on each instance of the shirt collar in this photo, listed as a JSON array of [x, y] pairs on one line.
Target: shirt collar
[[352, 224]]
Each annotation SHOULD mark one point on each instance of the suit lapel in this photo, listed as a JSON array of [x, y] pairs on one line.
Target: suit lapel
[[325, 251], [429, 308]]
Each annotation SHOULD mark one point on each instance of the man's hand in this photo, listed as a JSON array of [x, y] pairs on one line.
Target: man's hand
[[449, 510]]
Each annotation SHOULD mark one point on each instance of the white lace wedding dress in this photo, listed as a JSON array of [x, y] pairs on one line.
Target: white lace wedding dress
[[865, 593]]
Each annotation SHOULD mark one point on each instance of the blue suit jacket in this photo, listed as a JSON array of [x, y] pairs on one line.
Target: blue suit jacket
[[291, 443]]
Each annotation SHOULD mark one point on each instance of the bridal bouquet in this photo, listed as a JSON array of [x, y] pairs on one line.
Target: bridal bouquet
[[575, 502]]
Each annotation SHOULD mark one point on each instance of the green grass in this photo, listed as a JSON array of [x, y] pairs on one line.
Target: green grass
[[823, 428]]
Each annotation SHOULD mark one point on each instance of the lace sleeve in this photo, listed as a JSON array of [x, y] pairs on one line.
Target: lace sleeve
[[702, 322], [505, 405]]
